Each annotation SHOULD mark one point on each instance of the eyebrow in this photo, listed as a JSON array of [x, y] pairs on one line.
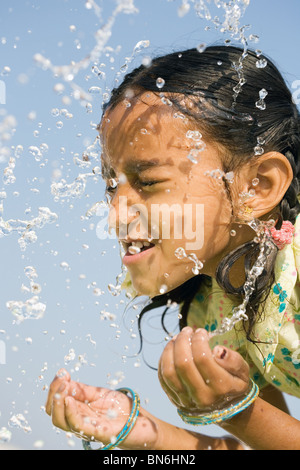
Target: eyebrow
[[142, 165], [134, 166]]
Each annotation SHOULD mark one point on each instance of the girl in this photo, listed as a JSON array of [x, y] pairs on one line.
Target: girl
[[211, 140]]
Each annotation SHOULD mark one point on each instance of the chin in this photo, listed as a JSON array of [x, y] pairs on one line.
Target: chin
[[147, 288]]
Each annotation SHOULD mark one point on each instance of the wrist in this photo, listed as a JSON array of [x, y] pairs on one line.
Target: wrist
[[219, 416]]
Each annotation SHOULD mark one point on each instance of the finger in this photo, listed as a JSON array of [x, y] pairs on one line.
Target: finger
[[232, 362], [184, 361], [86, 393], [58, 408], [167, 370], [168, 378], [62, 377], [83, 420], [173, 396], [203, 357], [80, 419]]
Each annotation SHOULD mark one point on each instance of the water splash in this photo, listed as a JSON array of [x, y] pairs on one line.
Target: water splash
[[68, 73], [5, 435], [180, 253], [229, 24], [139, 47], [198, 145], [19, 421], [26, 228], [115, 289], [219, 174], [261, 104], [233, 11], [31, 308], [266, 245]]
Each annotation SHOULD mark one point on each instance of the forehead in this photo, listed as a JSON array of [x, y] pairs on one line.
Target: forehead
[[145, 123]]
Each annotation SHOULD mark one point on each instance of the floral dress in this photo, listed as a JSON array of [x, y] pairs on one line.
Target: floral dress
[[274, 358]]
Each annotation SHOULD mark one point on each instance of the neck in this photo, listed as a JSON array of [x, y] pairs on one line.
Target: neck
[[237, 272]]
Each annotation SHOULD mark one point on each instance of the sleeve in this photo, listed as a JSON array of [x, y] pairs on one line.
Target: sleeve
[[277, 351]]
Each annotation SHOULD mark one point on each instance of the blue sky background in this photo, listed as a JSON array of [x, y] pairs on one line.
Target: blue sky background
[[36, 349]]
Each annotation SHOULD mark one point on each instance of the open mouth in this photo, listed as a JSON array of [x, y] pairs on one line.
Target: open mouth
[[135, 247], [135, 250]]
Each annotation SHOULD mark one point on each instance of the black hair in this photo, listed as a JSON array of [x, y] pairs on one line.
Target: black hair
[[241, 101]]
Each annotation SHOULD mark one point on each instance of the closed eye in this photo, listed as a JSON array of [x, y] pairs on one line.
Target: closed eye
[[149, 183]]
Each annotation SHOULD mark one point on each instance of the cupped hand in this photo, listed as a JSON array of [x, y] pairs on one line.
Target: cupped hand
[[198, 379], [95, 413]]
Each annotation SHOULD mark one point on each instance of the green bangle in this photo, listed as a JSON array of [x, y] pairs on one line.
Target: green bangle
[[128, 426], [216, 417]]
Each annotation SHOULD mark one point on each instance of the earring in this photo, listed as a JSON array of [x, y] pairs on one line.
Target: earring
[[247, 210], [244, 214]]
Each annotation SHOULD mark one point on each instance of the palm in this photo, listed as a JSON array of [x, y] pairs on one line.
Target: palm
[[95, 413], [102, 416]]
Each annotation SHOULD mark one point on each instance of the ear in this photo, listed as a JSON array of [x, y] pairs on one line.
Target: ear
[[274, 174]]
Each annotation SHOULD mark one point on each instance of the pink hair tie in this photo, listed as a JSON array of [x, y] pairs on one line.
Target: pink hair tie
[[283, 236]]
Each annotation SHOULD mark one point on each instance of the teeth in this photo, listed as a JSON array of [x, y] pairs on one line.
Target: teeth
[[134, 250], [136, 247], [138, 244]]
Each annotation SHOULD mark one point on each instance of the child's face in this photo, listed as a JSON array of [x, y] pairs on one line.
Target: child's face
[[146, 148]]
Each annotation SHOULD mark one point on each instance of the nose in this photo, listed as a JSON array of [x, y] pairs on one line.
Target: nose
[[120, 215], [127, 215]]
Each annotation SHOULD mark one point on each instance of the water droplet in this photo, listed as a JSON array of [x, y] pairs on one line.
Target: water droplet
[[140, 46], [160, 83], [261, 63], [18, 421], [183, 9], [229, 177], [5, 435], [70, 356], [258, 150], [261, 105], [6, 70], [64, 265], [147, 61], [163, 289], [55, 112], [201, 48], [263, 93], [95, 90], [35, 151], [180, 253], [194, 135], [59, 88]]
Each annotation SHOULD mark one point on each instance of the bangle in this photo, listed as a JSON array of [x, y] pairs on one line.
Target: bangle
[[216, 417], [128, 426]]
